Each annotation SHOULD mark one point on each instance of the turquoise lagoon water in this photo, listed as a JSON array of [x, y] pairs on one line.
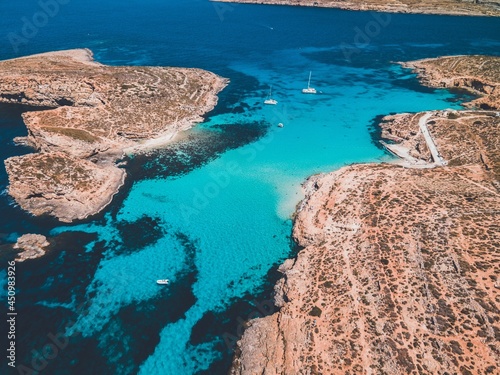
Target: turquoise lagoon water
[[214, 214]]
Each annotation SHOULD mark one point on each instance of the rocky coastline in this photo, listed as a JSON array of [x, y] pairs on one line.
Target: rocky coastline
[[400, 268], [450, 7], [90, 116], [477, 74]]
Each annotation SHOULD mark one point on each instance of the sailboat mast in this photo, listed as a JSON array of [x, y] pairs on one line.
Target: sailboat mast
[[309, 82]]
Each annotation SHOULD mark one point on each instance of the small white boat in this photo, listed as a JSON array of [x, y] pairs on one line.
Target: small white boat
[[269, 99], [309, 90], [280, 125], [163, 281]]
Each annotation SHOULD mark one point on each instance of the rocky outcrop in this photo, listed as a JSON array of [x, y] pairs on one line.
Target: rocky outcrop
[[61, 185], [478, 74], [90, 114], [462, 8], [400, 268], [32, 245]]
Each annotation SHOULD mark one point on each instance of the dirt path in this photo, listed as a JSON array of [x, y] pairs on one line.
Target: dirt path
[[422, 123]]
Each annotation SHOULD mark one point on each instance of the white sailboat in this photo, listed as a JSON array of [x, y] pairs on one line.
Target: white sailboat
[[309, 90], [163, 282], [269, 99]]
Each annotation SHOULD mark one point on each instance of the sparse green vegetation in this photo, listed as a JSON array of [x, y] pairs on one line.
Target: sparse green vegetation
[[78, 134], [315, 311]]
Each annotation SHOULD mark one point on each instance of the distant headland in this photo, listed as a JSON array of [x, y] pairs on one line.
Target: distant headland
[[91, 115], [451, 7]]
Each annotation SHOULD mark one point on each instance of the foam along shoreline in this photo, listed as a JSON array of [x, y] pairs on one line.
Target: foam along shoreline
[[445, 7], [99, 114], [398, 262]]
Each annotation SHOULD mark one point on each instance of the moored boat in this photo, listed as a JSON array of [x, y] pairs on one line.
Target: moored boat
[[309, 90], [269, 99]]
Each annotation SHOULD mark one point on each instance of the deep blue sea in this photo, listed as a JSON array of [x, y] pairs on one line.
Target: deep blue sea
[[213, 212]]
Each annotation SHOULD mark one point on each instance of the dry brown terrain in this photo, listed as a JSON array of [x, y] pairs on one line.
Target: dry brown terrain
[[68, 188], [454, 7], [97, 112], [461, 136], [478, 74], [400, 273]]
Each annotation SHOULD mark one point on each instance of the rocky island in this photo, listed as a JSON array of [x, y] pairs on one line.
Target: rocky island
[[400, 271], [89, 115], [31, 246], [453, 7]]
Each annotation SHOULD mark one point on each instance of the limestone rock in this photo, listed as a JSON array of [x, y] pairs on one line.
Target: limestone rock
[[32, 245]]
